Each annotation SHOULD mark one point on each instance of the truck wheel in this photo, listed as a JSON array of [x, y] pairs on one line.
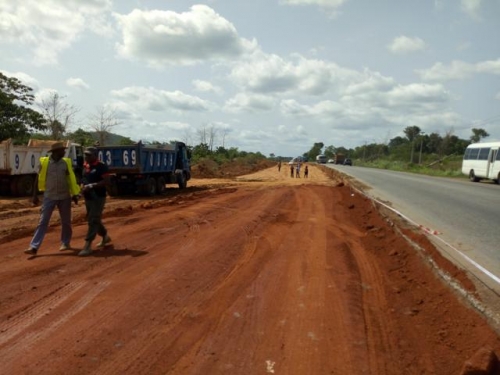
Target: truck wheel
[[25, 185], [160, 188], [112, 188], [149, 188], [181, 180], [13, 187]]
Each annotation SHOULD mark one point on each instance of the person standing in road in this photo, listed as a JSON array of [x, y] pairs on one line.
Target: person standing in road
[[279, 165], [291, 171], [94, 192], [297, 172], [57, 181], [306, 172]]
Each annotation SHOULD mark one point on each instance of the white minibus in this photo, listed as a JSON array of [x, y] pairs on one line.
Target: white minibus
[[482, 161]]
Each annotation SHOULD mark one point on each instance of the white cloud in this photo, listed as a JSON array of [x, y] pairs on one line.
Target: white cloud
[[269, 73], [331, 6], [152, 99], [205, 86], [471, 7], [49, 26], [458, 70], [249, 103], [25, 79], [403, 44], [166, 37], [77, 83], [373, 107]]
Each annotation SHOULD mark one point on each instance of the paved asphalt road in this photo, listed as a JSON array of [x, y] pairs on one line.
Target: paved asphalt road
[[466, 214]]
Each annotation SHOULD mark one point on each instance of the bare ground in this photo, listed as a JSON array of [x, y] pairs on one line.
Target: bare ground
[[255, 275]]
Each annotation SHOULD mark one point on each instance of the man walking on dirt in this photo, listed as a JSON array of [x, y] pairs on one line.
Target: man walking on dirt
[[291, 171], [94, 192], [57, 181]]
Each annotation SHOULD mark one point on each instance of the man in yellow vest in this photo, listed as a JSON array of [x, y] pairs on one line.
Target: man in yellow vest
[[57, 181]]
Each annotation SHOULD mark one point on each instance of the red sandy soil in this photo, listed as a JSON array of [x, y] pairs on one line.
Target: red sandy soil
[[262, 274]]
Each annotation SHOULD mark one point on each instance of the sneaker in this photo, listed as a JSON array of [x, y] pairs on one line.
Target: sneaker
[[105, 241], [87, 250], [65, 247], [31, 251]]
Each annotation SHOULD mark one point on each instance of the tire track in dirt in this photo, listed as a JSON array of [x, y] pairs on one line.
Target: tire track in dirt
[[197, 293], [19, 322], [10, 353]]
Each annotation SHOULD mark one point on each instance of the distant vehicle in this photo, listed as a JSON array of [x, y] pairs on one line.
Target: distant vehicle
[[145, 168], [348, 162], [321, 159], [482, 161], [19, 164], [298, 159], [331, 161], [339, 158]]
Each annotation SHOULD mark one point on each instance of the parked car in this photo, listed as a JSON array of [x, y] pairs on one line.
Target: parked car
[[348, 162], [330, 161]]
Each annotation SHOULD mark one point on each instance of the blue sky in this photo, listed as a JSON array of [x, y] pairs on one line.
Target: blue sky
[[273, 76]]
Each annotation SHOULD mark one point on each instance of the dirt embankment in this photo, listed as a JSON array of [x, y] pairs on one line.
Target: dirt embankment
[[257, 275]]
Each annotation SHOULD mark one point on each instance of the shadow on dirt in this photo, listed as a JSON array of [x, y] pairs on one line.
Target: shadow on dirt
[[100, 253]]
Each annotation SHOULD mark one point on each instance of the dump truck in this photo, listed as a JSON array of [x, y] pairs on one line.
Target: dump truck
[[339, 158], [145, 169], [19, 164]]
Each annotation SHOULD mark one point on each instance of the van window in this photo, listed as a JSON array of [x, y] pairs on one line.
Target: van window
[[473, 153], [467, 154], [483, 153]]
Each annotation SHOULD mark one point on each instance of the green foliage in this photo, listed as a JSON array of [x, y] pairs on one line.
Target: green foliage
[[314, 151], [17, 121], [478, 134], [81, 137]]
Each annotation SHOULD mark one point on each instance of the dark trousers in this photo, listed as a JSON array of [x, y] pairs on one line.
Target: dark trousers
[[94, 207]]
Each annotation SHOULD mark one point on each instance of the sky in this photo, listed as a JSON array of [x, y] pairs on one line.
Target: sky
[[274, 76]]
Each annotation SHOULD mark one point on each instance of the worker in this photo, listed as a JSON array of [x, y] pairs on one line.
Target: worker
[[57, 181]]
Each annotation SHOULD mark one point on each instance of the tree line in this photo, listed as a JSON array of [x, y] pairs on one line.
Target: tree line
[[413, 147], [52, 118]]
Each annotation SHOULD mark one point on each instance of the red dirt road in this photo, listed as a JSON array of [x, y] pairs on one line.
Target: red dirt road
[[263, 275]]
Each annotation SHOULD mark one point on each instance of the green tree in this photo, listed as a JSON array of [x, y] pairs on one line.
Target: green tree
[[17, 121], [81, 137], [478, 134], [126, 141], [314, 151], [412, 132], [330, 151]]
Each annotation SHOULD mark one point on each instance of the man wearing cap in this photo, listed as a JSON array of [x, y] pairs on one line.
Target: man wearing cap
[[94, 192], [57, 181]]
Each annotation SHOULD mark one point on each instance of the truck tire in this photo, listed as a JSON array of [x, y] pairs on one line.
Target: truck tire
[[160, 188], [181, 180], [149, 188], [112, 188], [25, 185], [13, 186]]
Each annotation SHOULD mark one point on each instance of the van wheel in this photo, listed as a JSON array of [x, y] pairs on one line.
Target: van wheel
[[497, 181], [472, 176], [160, 186]]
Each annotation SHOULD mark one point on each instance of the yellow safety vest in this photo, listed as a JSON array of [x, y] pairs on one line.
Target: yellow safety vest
[[70, 178]]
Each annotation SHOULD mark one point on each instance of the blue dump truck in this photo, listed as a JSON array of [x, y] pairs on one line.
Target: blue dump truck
[[145, 169]]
